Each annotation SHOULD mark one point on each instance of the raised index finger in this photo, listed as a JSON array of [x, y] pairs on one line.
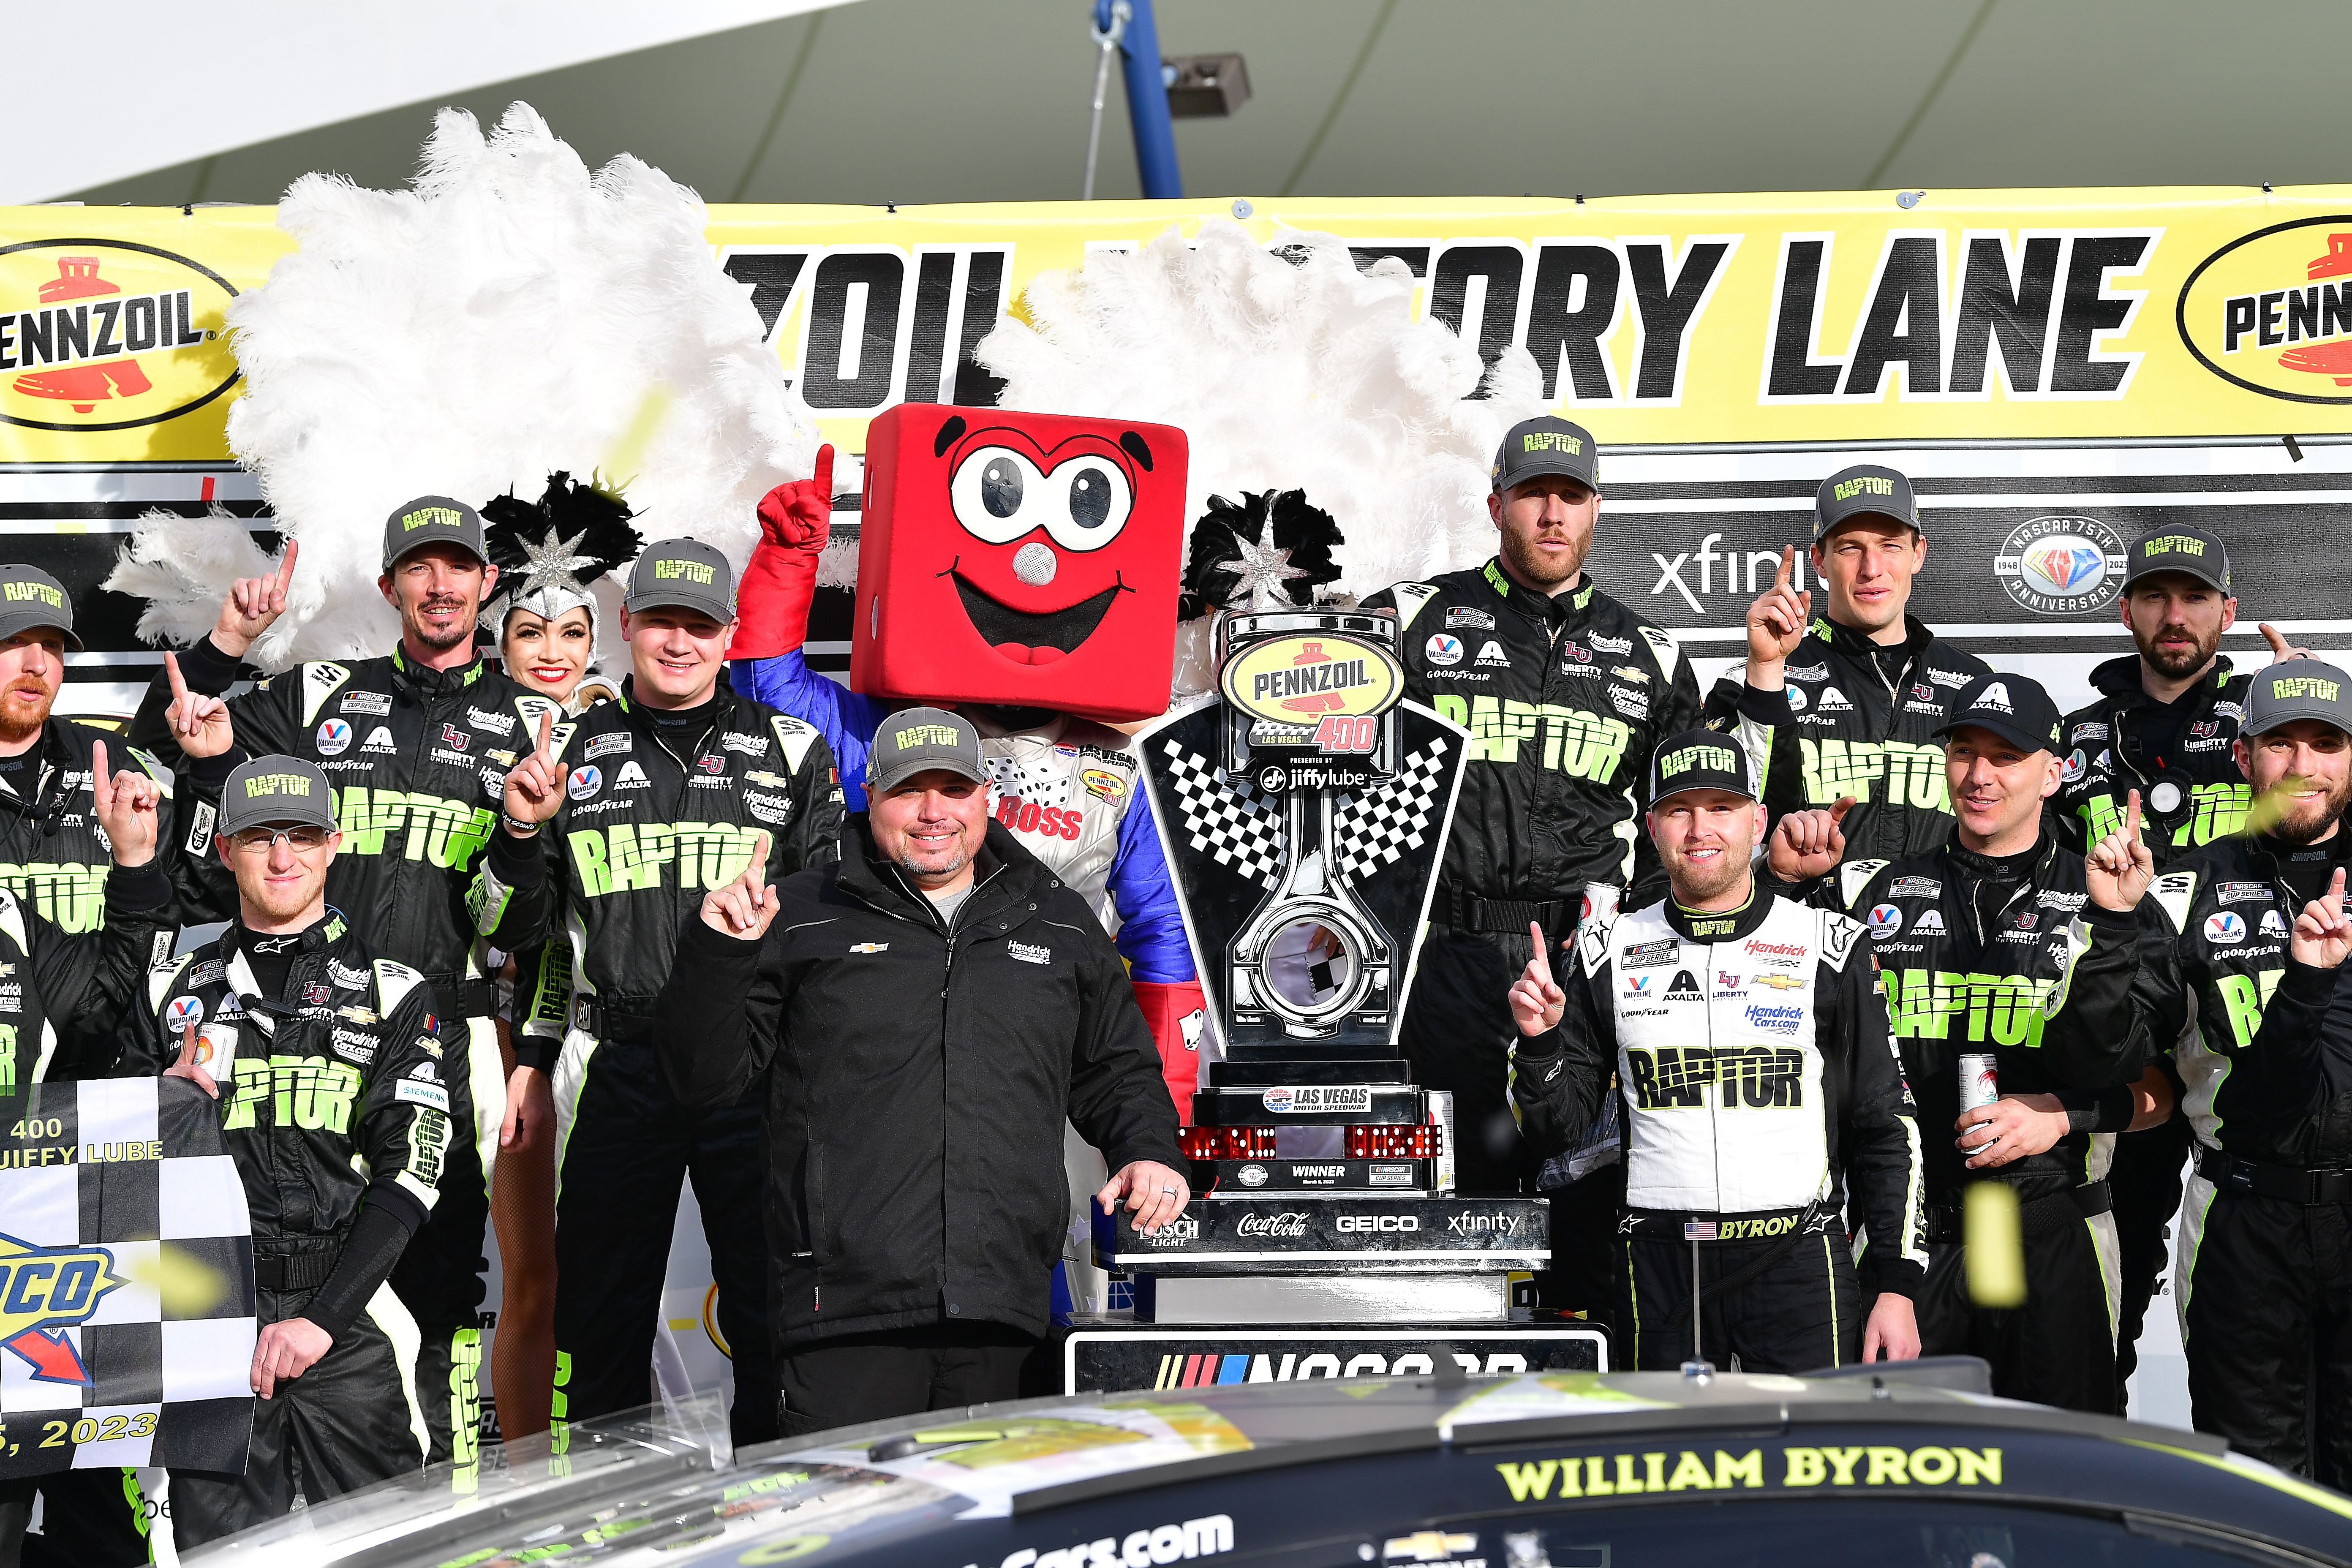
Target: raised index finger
[[99, 777], [758, 869], [824, 475], [171, 673], [546, 736], [286, 562], [1543, 956], [2277, 640], [1787, 564], [2131, 814]]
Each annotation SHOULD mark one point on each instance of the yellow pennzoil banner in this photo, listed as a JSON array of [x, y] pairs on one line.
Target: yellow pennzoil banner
[[2059, 370]]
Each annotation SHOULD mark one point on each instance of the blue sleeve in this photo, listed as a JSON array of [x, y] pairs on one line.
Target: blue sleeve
[[786, 682], [1151, 924]]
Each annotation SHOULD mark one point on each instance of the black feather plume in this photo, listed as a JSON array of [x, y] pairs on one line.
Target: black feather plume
[[1275, 520], [591, 525]]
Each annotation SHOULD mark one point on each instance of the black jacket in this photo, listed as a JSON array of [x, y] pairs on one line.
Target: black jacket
[[2295, 1082], [1842, 727], [643, 832], [60, 990], [915, 1081], [55, 858], [333, 1104], [1563, 697], [2229, 909], [1753, 1054], [1974, 960], [2125, 742], [418, 758]]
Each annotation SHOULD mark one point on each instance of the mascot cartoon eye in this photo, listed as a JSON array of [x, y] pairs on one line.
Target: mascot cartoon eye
[[998, 495]]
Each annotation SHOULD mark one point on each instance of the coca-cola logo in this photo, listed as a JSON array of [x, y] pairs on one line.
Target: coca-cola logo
[[1271, 1225]]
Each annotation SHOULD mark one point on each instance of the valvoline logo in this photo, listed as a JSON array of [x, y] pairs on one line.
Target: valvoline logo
[[2225, 927], [2272, 311], [1884, 921], [45, 1290], [105, 334]]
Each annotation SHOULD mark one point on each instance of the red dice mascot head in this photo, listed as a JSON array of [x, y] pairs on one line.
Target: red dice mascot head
[[1028, 559]]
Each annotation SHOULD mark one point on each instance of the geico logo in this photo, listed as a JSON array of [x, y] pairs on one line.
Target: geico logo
[[630, 855], [72, 897], [2006, 1009], [445, 832], [1379, 1222], [300, 1091]]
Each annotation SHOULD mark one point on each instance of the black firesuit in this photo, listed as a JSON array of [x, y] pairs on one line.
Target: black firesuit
[[2264, 1272], [1758, 1079], [1856, 719], [661, 806], [1564, 697], [59, 984], [2008, 957], [2123, 742], [914, 1081], [336, 1112], [418, 758]]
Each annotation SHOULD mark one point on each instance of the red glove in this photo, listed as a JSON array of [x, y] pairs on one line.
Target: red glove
[[771, 601], [1175, 1011]]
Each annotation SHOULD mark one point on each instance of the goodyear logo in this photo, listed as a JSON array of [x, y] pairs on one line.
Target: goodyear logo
[[2272, 311], [1551, 441], [38, 593], [683, 571], [1863, 485], [45, 1290], [107, 335], [1720, 758], [1306, 677], [431, 517], [2306, 686], [927, 735], [264, 784]]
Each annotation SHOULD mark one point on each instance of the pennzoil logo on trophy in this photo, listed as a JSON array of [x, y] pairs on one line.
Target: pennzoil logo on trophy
[[1304, 815]]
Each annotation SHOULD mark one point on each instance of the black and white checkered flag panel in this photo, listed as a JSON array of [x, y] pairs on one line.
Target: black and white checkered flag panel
[[126, 1280]]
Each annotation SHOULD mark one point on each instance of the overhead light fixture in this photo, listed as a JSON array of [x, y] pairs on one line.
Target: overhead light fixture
[[1204, 87]]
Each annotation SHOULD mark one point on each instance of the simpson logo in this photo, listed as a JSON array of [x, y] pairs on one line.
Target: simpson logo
[[2272, 311], [100, 334], [45, 1290], [2060, 565]]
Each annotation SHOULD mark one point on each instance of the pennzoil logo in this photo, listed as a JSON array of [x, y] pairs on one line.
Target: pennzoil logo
[[106, 335], [1307, 676], [45, 1290], [2272, 311]]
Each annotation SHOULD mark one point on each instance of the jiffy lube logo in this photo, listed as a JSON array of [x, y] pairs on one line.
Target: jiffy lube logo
[[45, 1290], [102, 334], [2272, 311]]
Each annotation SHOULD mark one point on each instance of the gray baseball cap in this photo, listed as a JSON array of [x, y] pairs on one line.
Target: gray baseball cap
[[916, 739], [1865, 489], [30, 597], [433, 519], [2191, 551], [686, 573], [1547, 446], [2298, 688], [276, 789]]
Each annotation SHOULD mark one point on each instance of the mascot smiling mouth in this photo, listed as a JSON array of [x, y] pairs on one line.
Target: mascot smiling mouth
[[1027, 638]]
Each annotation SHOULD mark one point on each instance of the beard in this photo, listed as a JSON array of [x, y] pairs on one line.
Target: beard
[[459, 632], [18, 721], [1693, 886], [2175, 664], [2300, 823], [1530, 567]]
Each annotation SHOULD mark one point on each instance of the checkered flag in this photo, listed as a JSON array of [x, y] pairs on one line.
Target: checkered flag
[[1227, 819], [126, 1280], [1385, 821]]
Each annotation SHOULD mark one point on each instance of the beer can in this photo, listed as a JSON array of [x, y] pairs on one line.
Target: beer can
[[1980, 1080]]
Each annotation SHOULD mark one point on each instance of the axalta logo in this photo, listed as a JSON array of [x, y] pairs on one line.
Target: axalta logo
[[2272, 311], [102, 334], [45, 1290]]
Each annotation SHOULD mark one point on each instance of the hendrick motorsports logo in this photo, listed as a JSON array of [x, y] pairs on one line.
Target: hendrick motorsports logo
[[45, 1290], [103, 334], [2273, 311], [2062, 565]]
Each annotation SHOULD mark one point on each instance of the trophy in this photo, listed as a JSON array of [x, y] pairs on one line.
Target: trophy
[[1305, 813]]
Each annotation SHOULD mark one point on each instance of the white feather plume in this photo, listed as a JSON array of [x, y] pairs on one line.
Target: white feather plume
[[181, 567], [508, 315], [1285, 370]]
